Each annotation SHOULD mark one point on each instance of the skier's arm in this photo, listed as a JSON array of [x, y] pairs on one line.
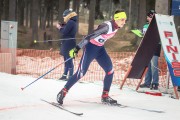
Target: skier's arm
[[102, 29]]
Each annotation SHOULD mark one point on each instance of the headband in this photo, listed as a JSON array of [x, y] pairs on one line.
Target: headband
[[121, 15]]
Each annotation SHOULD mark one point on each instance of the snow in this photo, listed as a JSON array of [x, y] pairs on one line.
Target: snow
[[16, 104]]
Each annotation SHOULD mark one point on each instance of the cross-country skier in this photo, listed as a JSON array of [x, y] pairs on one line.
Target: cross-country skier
[[93, 48]]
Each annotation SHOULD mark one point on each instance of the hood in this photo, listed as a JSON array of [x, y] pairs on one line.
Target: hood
[[72, 16]]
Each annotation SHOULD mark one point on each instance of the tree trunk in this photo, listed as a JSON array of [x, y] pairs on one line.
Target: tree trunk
[[133, 14], [98, 14], [43, 14], [91, 16], [124, 4], [21, 12], [110, 8], [43, 18], [142, 14], [1, 9], [31, 14], [12, 10], [150, 4], [48, 17], [75, 5], [67, 4], [27, 13], [61, 10], [51, 13], [6, 10], [35, 20], [162, 7]]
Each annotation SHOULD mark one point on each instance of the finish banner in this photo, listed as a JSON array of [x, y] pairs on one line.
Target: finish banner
[[161, 28], [170, 45]]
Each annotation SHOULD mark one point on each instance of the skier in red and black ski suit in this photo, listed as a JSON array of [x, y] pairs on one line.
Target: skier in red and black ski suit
[[93, 48]]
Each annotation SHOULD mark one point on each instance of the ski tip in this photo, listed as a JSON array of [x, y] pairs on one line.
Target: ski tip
[[22, 89]]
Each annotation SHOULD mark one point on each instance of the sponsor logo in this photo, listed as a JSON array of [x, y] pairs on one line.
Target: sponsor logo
[[166, 23]]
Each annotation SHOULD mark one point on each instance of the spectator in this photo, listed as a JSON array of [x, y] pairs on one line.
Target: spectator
[[152, 75], [68, 42]]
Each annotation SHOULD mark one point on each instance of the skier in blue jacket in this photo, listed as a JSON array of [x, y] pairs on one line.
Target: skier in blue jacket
[[68, 31], [93, 48]]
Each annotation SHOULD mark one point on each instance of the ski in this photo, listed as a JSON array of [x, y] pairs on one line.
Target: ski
[[123, 106], [57, 105], [117, 104]]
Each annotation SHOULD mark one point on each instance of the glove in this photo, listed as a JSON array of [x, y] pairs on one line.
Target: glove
[[73, 52]]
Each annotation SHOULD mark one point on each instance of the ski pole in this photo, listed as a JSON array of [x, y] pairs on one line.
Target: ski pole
[[35, 41], [45, 73]]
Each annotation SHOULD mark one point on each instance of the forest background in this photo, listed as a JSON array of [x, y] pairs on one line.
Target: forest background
[[37, 19]]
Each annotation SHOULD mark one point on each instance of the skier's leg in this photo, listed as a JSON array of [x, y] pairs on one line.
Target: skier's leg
[[105, 62], [86, 59]]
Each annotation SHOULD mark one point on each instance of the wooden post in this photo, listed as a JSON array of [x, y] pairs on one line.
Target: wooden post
[[176, 93], [129, 69], [142, 78]]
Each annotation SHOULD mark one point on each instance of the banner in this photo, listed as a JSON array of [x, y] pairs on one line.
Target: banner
[[170, 45], [175, 8]]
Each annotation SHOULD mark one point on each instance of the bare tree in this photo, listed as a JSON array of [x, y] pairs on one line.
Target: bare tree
[[76, 4], [21, 5], [142, 13], [12, 10], [6, 10], [43, 13], [1, 9], [31, 15], [27, 7], [162, 7], [61, 10], [91, 15], [98, 14], [35, 12], [67, 4]]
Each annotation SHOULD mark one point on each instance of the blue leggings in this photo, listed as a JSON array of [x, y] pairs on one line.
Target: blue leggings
[[90, 53]]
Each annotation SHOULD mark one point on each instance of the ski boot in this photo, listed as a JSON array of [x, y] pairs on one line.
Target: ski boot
[[106, 99], [154, 86], [61, 95], [63, 77], [144, 86]]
